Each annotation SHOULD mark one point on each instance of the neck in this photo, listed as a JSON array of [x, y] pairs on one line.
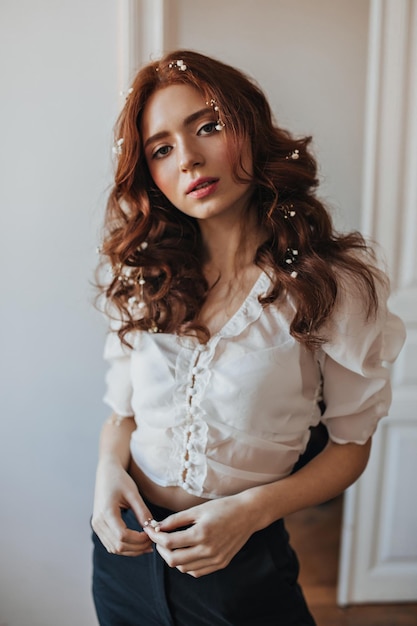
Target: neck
[[229, 247]]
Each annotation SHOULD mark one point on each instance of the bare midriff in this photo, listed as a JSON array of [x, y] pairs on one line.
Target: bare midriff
[[173, 498]]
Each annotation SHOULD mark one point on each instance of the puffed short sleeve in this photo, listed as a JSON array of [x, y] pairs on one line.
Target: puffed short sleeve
[[118, 377], [354, 363]]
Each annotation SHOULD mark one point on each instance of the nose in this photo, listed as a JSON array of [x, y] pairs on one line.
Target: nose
[[189, 157]]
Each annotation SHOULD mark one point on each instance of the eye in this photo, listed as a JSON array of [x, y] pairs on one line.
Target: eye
[[161, 152], [207, 129]]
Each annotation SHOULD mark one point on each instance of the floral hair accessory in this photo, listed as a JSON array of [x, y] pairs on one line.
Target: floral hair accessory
[[291, 256], [126, 94], [213, 104], [133, 281], [294, 155], [117, 148], [179, 63], [288, 210]]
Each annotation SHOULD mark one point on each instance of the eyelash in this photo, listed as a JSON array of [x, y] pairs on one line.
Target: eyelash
[[158, 154], [211, 126]]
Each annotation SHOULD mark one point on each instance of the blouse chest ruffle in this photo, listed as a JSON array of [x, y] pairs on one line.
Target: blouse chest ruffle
[[224, 416]]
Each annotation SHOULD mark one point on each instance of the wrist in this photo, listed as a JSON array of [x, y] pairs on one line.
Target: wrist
[[270, 502], [256, 506], [110, 460]]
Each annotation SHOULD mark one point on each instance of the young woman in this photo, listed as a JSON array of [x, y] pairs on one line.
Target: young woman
[[239, 320]]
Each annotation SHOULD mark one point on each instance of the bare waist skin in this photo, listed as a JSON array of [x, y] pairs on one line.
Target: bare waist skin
[[173, 498]]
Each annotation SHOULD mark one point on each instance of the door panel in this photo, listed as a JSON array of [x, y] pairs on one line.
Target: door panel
[[379, 536]]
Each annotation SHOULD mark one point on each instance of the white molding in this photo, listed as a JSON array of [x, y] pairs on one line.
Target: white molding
[[372, 565], [408, 249], [347, 553], [146, 32], [371, 117], [389, 200], [129, 53]]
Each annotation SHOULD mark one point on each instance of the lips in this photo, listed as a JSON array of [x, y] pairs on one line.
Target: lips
[[201, 185]]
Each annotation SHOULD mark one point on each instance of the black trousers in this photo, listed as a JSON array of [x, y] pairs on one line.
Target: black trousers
[[258, 588]]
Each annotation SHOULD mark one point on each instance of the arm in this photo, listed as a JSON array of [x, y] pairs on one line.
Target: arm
[[219, 528], [115, 490], [323, 478]]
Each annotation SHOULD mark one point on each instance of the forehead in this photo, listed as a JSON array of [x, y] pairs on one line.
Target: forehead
[[169, 106]]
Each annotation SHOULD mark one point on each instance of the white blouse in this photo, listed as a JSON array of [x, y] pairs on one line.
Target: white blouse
[[221, 417]]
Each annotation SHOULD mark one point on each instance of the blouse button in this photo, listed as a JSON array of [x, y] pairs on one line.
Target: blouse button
[[192, 428]]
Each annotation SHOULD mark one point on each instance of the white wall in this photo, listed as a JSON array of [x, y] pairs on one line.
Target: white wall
[[310, 57], [59, 101]]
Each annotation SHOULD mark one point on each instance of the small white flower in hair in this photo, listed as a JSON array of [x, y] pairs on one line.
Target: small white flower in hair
[[291, 256], [126, 94], [117, 148], [294, 155], [179, 63], [219, 123]]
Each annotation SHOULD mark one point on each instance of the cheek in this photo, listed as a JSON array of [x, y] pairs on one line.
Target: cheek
[[221, 155], [162, 178], [223, 159]]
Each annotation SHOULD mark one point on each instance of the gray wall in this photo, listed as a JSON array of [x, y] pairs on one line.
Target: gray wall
[[311, 58], [59, 101]]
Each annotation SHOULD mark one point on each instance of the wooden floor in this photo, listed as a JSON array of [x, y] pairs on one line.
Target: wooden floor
[[315, 535]]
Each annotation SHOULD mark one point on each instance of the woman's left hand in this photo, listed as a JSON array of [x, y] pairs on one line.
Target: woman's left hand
[[214, 532]]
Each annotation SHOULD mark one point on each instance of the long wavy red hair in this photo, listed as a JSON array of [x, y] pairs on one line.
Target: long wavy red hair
[[284, 199]]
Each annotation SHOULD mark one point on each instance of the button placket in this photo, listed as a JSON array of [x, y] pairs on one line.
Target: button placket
[[190, 429]]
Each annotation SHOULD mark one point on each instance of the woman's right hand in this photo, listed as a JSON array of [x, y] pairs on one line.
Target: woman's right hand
[[116, 490]]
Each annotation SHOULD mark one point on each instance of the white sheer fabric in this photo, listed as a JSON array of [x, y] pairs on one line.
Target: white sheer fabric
[[235, 413]]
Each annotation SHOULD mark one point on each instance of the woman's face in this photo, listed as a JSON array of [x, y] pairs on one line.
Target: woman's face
[[188, 158]]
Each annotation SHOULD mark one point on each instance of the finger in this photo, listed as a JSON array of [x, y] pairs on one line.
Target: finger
[[133, 538], [171, 540], [178, 520], [131, 552], [175, 531], [135, 553], [194, 566], [189, 556], [114, 521], [141, 511], [119, 546], [201, 572], [134, 502], [120, 539]]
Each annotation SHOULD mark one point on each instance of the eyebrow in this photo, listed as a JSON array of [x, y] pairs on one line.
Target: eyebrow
[[188, 120]]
